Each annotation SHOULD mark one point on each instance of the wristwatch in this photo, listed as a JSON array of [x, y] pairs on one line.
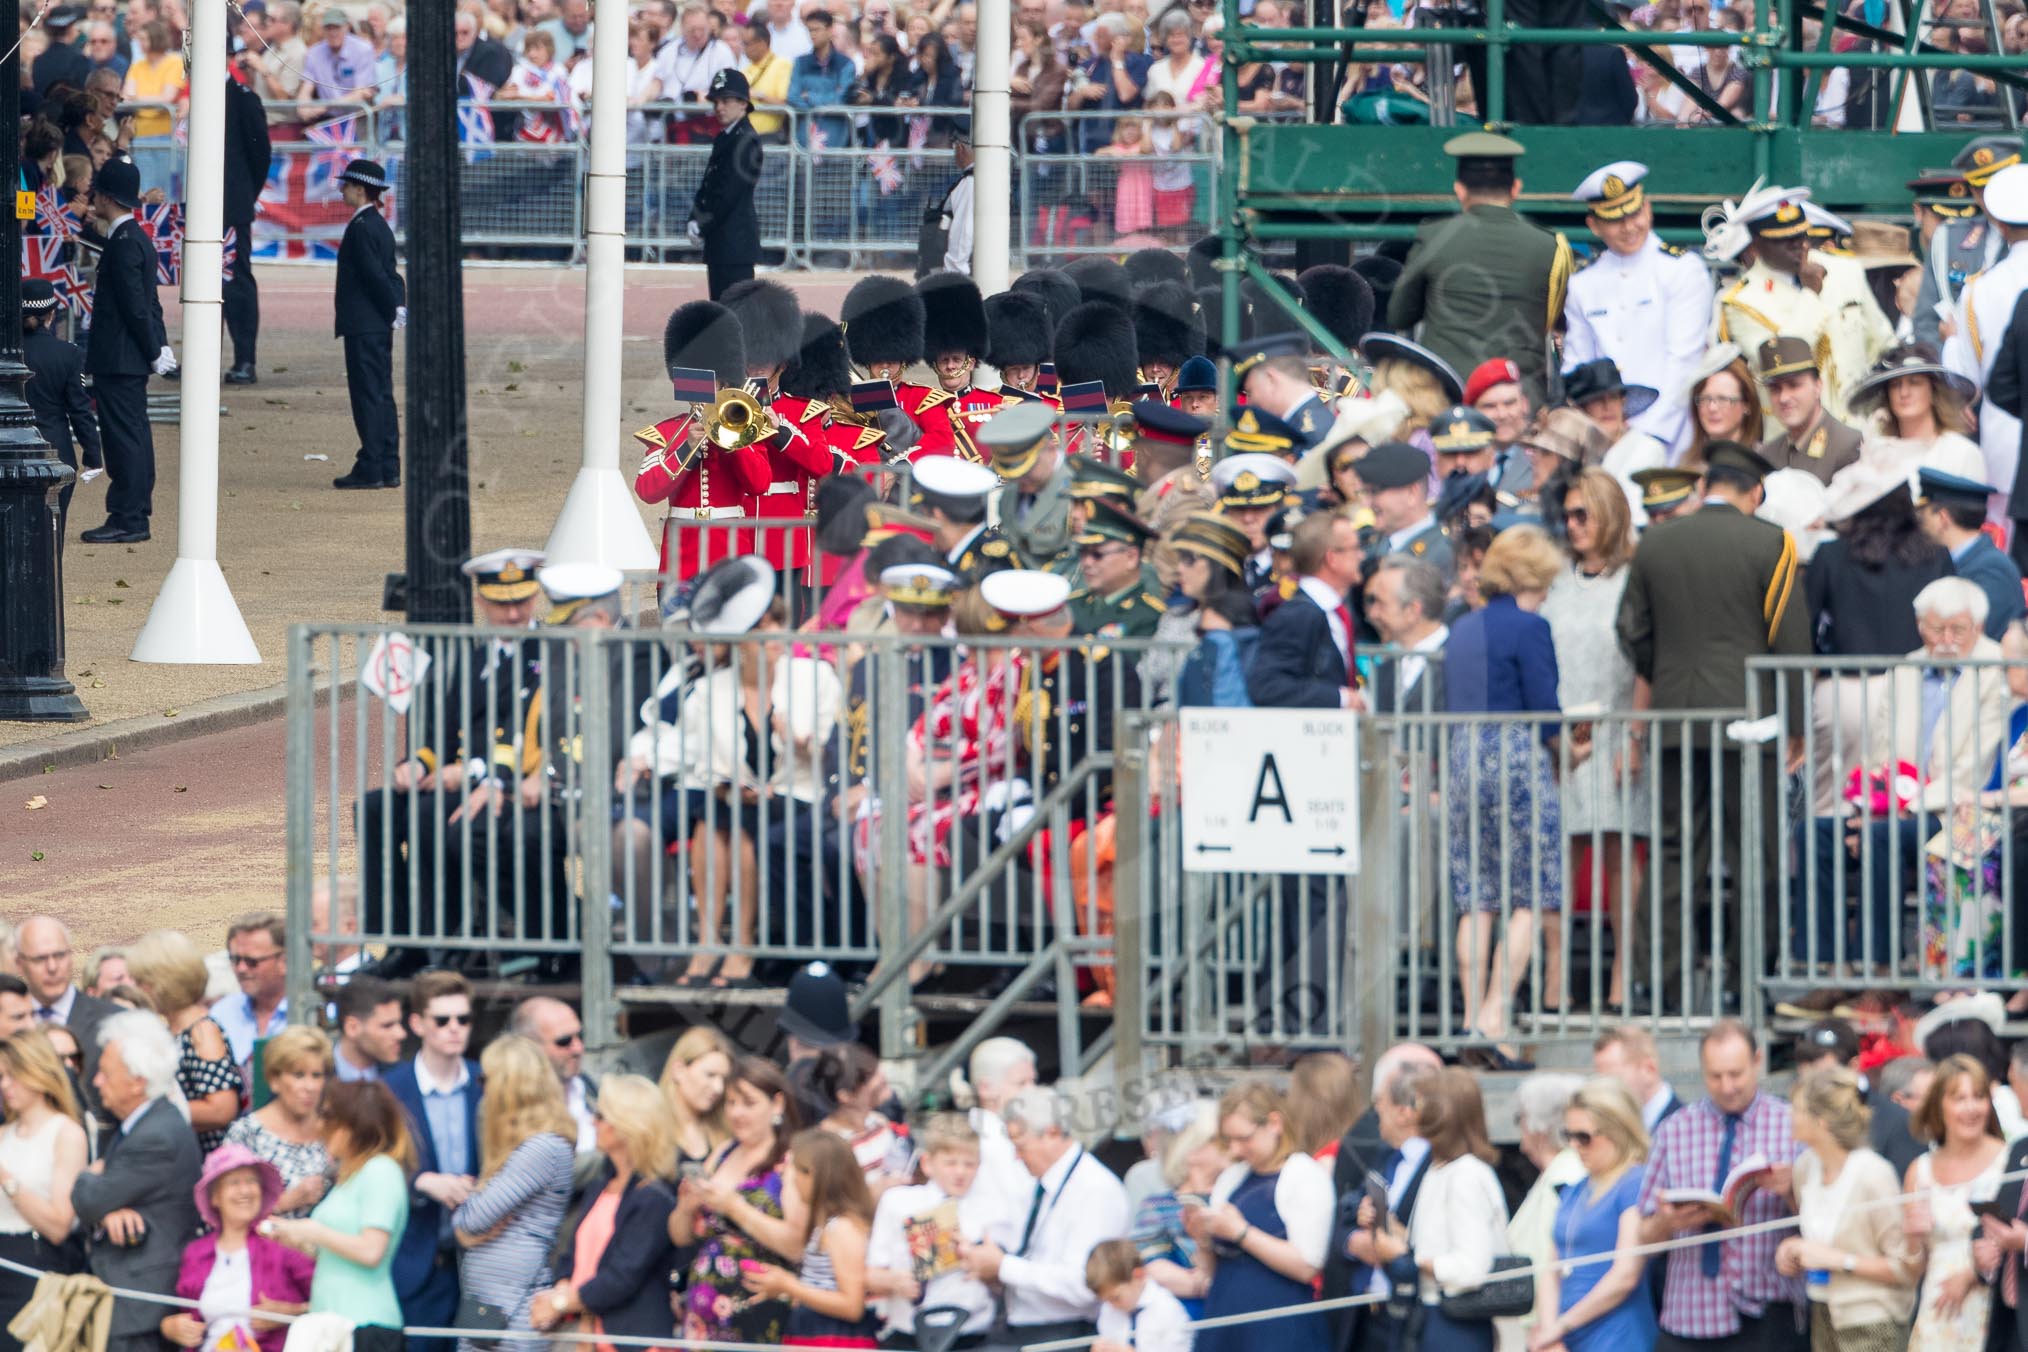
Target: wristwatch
[[1851, 1262]]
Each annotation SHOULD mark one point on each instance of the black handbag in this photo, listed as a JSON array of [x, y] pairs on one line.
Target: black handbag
[[1497, 1297], [477, 1314]]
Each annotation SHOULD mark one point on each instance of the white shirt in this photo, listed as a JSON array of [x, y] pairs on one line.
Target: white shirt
[[1650, 312], [1413, 1152], [578, 1101], [979, 1210], [1159, 1322], [1082, 1205], [958, 221], [229, 1286], [1657, 1104], [1303, 1199], [1460, 1222], [429, 1084], [1410, 671], [683, 71], [60, 1011], [790, 41], [1003, 1179], [1330, 602], [1985, 307]]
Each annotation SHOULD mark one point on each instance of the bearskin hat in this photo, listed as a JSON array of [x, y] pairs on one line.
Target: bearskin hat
[[1380, 273], [1265, 315], [1057, 292], [769, 317], [1166, 328], [841, 512], [882, 318], [954, 316], [1100, 279], [1096, 342], [1211, 315], [705, 335], [1202, 261], [1017, 329], [1148, 266], [820, 369], [1340, 300]]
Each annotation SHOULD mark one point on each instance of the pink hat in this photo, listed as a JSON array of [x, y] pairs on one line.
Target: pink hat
[[228, 1159]]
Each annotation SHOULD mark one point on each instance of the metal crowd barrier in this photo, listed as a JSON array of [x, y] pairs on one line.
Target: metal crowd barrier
[[1901, 826], [669, 801]]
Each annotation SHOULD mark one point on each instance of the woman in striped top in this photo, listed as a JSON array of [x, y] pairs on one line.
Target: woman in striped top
[[527, 1142], [827, 1299], [841, 1089]]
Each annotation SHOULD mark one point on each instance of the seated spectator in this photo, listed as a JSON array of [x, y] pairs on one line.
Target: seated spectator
[[353, 1232], [528, 1142], [615, 1250], [232, 1269], [1263, 1236], [1040, 1262], [1945, 723], [1724, 404], [739, 1209], [288, 1131], [827, 1296], [1952, 512], [1506, 837], [42, 1151], [1135, 1313], [1598, 1307], [170, 970], [1851, 1246], [135, 1202]]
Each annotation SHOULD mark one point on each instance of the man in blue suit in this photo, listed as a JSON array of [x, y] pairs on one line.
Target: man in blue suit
[[1304, 660], [1377, 1244], [1951, 510], [440, 1091]]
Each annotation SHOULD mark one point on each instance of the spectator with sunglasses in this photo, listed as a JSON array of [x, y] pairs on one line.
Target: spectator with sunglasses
[[556, 1028], [439, 1092], [254, 944]]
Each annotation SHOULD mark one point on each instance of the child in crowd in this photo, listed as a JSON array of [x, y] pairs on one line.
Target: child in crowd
[[1134, 193], [827, 1298], [1174, 139], [912, 1258], [1135, 1314]]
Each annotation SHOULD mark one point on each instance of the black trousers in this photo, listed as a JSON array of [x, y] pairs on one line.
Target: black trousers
[[1774, 1331], [1713, 803], [1543, 82], [241, 297], [369, 380], [718, 276], [390, 844], [129, 447]]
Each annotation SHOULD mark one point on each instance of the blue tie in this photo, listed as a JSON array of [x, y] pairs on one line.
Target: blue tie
[[1711, 1254]]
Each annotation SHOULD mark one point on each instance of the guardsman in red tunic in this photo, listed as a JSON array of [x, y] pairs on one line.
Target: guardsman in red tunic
[[883, 322], [772, 324], [1095, 345], [1018, 345], [1167, 333], [817, 387], [954, 343], [701, 482]]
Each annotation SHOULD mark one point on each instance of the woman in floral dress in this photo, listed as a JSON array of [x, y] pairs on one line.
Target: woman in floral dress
[[738, 1212]]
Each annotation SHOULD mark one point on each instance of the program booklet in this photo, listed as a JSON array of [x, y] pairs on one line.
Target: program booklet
[[932, 1241], [1728, 1202]]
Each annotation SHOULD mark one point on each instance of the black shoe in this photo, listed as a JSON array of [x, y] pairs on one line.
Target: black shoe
[[113, 533], [358, 478], [243, 374], [392, 482]]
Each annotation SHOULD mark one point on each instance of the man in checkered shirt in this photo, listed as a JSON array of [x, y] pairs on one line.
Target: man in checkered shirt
[[1725, 1295]]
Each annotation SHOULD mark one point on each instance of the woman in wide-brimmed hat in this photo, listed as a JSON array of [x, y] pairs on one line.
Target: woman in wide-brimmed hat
[[233, 1269], [1909, 406]]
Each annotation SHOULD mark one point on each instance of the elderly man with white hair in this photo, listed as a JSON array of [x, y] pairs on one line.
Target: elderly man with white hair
[[1933, 729], [135, 1204], [1077, 1204], [1539, 1102]]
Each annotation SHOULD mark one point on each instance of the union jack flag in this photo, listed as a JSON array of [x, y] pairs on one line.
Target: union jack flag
[[163, 224], [546, 127], [475, 123], [50, 217], [71, 290], [44, 256], [885, 169]]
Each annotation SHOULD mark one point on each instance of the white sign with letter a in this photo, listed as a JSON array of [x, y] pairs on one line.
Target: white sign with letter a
[[1270, 790]]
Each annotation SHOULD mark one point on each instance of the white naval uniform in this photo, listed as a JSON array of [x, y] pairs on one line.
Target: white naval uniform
[[1860, 332], [1985, 310], [1763, 304], [1649, 312]]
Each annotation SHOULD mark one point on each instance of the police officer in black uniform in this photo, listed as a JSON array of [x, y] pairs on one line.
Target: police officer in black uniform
[[56, 392], [722, 216], [372, 304], [248, 154], [61, 63], [127, 342]]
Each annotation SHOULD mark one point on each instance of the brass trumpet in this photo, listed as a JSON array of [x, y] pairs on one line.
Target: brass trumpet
[[737, 420], [1116, 432]]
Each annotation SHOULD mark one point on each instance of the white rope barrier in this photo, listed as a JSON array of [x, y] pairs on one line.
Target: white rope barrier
[[1314, 1307]]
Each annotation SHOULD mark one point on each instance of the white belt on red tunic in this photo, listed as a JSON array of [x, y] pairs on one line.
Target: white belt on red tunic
[[710, 513]]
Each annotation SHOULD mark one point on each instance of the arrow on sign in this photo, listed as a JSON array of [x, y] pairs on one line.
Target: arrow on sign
[[1202, 848], [1335, 849]]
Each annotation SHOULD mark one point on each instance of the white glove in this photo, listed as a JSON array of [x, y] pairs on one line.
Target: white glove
[[696, 235], [165, 362], [401, 316], [85, 476]]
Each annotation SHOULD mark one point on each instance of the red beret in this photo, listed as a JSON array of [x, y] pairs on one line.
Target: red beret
[[1496, 371]]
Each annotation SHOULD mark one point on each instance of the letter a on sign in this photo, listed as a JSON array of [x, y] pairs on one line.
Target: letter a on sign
[[1262, 797]]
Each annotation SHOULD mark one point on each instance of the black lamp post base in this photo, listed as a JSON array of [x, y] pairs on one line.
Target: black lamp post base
[[41, 699]]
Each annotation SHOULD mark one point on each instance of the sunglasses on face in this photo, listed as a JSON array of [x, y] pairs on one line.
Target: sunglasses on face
[[567, 1040], [446, 1020], [1577, 516], [1580, 1139], [249, 960]]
